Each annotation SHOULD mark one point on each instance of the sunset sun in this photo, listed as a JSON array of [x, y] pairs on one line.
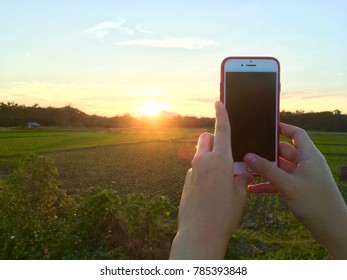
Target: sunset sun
[[150, 108]]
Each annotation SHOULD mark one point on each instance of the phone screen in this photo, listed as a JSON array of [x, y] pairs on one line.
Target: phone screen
[[251, 105]]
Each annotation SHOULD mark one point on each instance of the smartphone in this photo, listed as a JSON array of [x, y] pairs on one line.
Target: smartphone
[[250, 89]]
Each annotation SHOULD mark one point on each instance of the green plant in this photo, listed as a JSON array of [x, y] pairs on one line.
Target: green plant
[[97, 225], [38, 219], [148, 223], [32, 209]]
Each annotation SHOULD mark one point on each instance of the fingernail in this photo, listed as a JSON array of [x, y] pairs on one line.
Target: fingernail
[[201, 139], [218, 104], [252, 158]]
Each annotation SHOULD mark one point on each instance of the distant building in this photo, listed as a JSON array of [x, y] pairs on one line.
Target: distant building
[[33, 124]]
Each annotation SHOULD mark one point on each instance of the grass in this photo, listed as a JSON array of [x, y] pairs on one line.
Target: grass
[[15, 143], [155, 162]]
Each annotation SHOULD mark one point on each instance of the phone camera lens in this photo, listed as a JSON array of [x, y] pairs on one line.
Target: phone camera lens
[[241, 64]]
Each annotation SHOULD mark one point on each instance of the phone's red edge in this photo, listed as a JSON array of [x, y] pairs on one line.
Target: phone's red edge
[[221, 95]]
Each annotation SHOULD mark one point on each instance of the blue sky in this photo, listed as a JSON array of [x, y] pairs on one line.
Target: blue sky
[[115, 57]]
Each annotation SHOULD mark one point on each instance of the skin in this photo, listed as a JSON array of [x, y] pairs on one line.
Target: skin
[[213, 198], [308, 188]]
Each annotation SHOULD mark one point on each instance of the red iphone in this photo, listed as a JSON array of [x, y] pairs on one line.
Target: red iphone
[[250, 88]]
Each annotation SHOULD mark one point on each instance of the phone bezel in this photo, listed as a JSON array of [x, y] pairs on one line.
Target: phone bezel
[[252, 64]]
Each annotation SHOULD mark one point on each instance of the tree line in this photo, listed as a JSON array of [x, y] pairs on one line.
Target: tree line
[[13, 114], [321, 121]]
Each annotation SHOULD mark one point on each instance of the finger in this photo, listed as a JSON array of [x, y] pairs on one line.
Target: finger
[[288, 152], [186, 194], [205, 144], [187, 183], [266, 169], [222, 138], [287, 166], [300, 139], [262, 188]]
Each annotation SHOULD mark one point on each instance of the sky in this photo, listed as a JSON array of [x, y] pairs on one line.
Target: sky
[[111, 57]]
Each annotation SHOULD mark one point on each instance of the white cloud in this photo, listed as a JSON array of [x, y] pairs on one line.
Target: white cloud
[[181, 43], [142, 30], [100, 30], [105, 26]]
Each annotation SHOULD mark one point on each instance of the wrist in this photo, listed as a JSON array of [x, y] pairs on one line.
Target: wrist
[[335, 241], [197, 246]]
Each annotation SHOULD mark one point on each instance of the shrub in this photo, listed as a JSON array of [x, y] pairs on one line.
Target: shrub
[[148, 225], [39, 221], [97, 225], [32, 209]]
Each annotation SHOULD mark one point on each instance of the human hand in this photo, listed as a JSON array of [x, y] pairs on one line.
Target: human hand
[[212, 199], [305, 182]]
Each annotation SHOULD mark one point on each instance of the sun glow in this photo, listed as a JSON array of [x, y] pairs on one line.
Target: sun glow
[[150, 108]]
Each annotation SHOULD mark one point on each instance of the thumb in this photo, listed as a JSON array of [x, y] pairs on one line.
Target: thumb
[[266, 169]]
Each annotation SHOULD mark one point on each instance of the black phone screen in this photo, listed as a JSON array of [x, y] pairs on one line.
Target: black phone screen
[[251, 104]]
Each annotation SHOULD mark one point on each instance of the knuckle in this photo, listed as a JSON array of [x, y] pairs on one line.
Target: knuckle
[[189, 174], [264, 168], [214, 160], [302, 131], [197, 159], [220, 159], [222, 126], [193, 163], [321, 158]]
